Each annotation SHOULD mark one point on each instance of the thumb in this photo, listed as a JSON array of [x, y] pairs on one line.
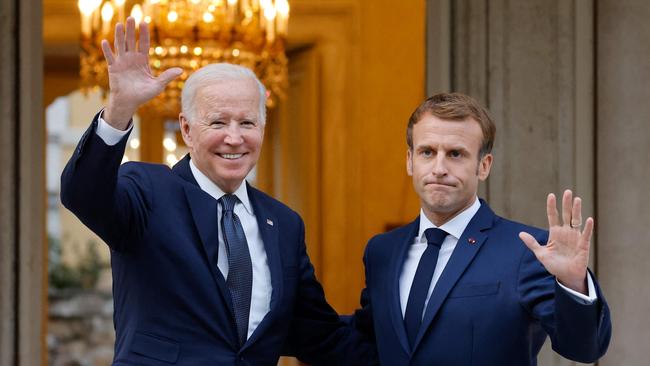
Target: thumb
[[170, 74], [530, 242]]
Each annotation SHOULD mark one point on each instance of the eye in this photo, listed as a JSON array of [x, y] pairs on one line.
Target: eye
[[248, 123], [455, 153], [427, 153], [217, 124]]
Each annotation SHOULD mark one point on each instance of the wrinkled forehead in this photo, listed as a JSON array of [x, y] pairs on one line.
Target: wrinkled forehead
[[229, 98]]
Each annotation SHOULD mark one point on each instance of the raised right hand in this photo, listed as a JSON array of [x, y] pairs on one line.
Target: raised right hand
[[130, 80]]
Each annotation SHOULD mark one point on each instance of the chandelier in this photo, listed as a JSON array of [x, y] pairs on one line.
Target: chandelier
[[191, 34]]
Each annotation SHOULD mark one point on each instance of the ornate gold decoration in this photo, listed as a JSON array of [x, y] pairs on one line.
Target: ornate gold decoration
[[191, 34]]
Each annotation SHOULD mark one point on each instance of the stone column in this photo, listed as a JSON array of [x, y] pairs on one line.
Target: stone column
[[623, 110], [22, 199], [532, 64]]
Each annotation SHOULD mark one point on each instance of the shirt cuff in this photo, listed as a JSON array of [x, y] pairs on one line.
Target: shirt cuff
[[582, 298], [109, 134]]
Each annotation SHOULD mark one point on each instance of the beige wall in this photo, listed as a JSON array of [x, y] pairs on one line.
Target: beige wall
[[336, 150]]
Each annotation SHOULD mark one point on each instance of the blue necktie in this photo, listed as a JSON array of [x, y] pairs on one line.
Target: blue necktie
[[240, 267], [421, 282]]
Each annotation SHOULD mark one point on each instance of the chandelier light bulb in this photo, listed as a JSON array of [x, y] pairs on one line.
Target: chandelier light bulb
[[107, 12], [172, 16], [88, 6], [282, 7], [269, 13], [136, 13], [208, 17]]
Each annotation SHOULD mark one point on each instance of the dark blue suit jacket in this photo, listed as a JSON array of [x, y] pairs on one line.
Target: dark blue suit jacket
[[172, 305], [493, 305]]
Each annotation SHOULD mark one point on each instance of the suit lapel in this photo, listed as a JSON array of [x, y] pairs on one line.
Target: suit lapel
[[204, 213], [268, 226], [398, 257], [468, 245]]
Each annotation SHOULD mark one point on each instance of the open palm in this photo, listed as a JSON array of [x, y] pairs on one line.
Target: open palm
[[566, 254], [131, 82]]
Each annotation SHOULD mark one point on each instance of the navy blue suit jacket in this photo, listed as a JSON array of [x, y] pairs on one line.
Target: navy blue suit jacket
[[172, 305], [493, 305]]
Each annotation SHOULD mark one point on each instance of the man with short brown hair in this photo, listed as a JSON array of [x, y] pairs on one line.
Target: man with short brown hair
[[457, 286]]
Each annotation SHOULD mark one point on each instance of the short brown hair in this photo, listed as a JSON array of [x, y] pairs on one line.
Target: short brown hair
[[455, 107]]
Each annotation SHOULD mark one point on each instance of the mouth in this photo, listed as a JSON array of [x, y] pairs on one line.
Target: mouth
[[231, 156], [439, 184]]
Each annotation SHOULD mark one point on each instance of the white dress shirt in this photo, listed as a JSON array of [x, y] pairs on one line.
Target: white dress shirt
[[261, 290], [455, 228]]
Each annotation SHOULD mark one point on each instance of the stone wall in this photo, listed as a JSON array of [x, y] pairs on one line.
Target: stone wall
[[80, 326]]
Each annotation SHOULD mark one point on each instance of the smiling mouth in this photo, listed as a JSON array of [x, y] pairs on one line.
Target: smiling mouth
[[231, 156]]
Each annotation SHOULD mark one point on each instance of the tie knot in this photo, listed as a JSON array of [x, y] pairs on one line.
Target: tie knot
[[228, 202], [435, 236]]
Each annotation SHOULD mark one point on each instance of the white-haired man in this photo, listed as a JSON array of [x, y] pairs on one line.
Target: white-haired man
[[207, 270]]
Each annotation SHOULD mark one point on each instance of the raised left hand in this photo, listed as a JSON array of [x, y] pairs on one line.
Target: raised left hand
[[566, 254]]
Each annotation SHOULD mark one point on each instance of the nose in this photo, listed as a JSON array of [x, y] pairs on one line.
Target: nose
[[233, 135], [439, 168]]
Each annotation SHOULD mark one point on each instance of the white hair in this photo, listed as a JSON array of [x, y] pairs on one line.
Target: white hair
[[214, 73]]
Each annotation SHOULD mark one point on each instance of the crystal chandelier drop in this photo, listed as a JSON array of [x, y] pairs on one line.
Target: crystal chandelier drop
[[191, 34]]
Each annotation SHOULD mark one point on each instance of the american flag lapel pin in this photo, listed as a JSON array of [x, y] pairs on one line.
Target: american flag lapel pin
[[269, 221]]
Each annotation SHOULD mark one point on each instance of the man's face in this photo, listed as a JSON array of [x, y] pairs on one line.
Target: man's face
[[445, 165], [225, 137]]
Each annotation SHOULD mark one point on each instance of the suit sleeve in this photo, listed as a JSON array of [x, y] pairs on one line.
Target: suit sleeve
[[317, 336], [578, 331], [362, 319], [110, 200]]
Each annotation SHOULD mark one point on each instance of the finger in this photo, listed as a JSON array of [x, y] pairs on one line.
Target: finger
[[143, 45], [587, 232], [108, 53], [130, 34], [576, 212], [119, 39], [170, 74], [567, 199], [530, 242], [551, 211]]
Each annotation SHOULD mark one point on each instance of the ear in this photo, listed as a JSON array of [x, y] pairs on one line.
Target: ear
[[484, 166], [409, 162], [185, 129]]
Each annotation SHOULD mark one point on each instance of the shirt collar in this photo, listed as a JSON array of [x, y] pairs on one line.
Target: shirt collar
[[213, 190], [455, 226]]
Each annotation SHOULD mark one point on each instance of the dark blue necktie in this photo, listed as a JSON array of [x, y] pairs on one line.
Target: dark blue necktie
[[240, 267], [421, 282]]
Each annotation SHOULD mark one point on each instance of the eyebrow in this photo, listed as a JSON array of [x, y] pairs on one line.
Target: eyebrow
[[219, 115], [213, 115], [448, 148]]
